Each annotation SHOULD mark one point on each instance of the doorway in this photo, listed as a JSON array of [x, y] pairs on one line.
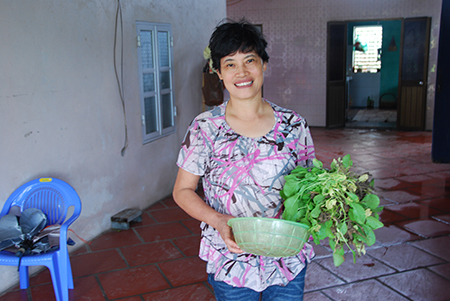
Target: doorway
[[389, 93], [372, 61]]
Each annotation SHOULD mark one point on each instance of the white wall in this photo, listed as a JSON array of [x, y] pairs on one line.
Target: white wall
[[297, 35], [60, 111]]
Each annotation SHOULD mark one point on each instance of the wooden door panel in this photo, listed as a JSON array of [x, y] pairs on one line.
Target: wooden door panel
[[413, 74], [411, 107], [336, 76], [335, 105]]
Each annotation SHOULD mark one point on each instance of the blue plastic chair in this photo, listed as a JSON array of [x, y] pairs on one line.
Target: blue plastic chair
[[54, 197]]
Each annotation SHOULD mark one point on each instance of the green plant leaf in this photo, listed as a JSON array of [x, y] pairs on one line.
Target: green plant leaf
[[343, 228], [318, 199], [317, 163], [346, 161], [378, 209], [358, 214], [353, 197], [291, 187], [338, 256], [371, 200], [291, 207], [316, 211], [370, 235], [373, 222]]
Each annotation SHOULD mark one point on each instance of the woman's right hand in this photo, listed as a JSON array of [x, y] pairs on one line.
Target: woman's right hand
[[226, 233], [185, 196]]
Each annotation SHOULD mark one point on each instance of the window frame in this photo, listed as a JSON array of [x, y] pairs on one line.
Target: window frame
[[159, 93]]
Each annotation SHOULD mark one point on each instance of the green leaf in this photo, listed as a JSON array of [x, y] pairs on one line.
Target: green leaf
[[371, 200], [343, 228], [378, 209], [353, 197], [333, 165], [373, 222], [316, 212], [332, 244], [322, 234], [338, 256], [291, 187], [358, 214], [317, 163], [370, 235], [346, 161], [318, 199], [291, 207]]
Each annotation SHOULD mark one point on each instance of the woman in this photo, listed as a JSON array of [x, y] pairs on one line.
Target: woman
[[242, 149]]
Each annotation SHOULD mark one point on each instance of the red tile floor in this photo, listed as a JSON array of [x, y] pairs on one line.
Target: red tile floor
[[157, 258]]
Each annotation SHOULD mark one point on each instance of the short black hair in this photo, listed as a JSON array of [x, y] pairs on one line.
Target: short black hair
[[231, 37]]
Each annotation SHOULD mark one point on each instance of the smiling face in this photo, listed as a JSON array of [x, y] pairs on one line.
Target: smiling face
[[242, 75]]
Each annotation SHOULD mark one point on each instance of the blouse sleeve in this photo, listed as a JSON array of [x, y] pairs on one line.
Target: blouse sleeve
[[194, 150]]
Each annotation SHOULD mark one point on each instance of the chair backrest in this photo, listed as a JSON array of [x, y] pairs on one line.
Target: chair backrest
[[53, 196]]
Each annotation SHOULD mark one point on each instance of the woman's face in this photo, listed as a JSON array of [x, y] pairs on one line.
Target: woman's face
[[242, 75]]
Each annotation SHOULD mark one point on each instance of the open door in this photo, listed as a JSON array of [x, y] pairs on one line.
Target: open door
[[336, 75], [413, 74]]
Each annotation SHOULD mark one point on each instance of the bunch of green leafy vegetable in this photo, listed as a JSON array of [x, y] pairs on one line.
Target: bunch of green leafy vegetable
[[335, 203]]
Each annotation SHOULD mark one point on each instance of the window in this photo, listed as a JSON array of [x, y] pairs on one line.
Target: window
[[367, 48], [156, 79]]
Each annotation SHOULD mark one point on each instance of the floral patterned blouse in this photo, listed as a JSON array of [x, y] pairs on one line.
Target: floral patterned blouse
[[243, 177]]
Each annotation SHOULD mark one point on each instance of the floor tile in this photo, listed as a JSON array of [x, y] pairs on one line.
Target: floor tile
[[193, 226], [442, 203], [184, 271], [413, 210], [318, 278], [426, 228], [445, 218], [17, 295], [392, 235], [315, 296], [442, 269], [390, 184], [169, 215], [42, 277], [195, 292], [188, 245], [427, 285], [398, 196], [133, 281], [96, 262], [365, 267], [404, 257], [369, 290], [322, 250], [389, 217], [114, 239], [86, 289], [162, 231], [439, 246], [43, 292], [136, 298], [150, 253]]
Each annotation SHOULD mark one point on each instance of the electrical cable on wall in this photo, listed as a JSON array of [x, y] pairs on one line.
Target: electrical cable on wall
[[120, 81]]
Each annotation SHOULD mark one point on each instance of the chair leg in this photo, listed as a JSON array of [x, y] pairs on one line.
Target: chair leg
[[54, 272], [69, 274], [24, 279]]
